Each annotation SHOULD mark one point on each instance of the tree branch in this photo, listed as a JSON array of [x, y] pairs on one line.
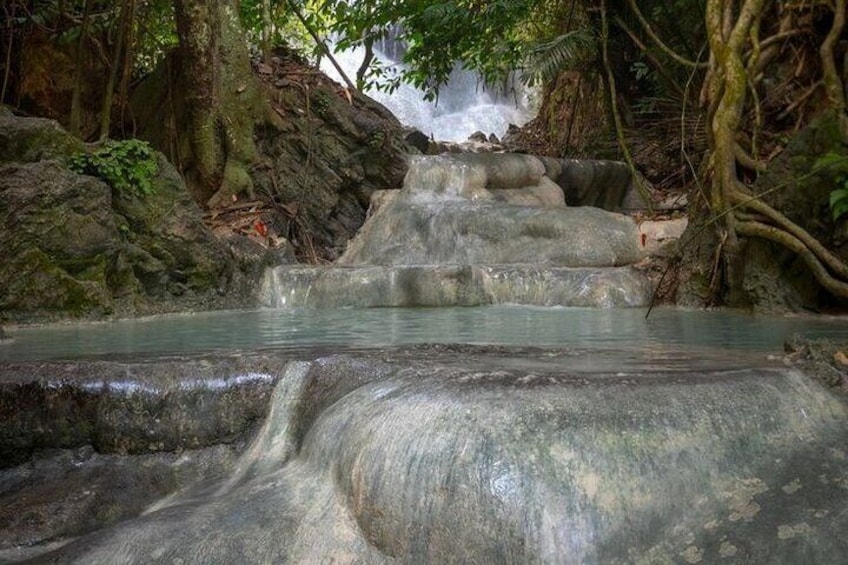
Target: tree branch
[[654, 62], [656, 39], [320, 43], [832, 81]]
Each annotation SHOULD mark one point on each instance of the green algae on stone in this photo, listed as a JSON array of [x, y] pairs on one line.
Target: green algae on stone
[[32, 282]]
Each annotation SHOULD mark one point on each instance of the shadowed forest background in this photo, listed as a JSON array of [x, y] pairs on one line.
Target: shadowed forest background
[[738, 104]]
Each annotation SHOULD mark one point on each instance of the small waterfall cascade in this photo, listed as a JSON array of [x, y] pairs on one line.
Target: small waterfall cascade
[[433, 457], [474, 229], [464, 106]]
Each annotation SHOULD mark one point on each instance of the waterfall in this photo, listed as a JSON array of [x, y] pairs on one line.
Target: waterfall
[[464, 106]]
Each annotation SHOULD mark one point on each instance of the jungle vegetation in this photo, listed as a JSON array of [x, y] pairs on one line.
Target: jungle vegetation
[[701, 95]]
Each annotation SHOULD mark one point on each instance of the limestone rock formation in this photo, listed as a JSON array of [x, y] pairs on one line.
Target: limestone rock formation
[[451, 454], [474, 229], [451, 212]]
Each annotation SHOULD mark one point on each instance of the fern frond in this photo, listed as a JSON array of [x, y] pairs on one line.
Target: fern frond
[[546, 59]]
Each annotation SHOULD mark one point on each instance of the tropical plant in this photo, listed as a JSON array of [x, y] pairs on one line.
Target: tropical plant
[[547, 58], [836, 166], [128, 166]]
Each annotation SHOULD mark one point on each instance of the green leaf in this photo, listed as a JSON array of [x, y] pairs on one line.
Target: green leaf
[[127, 166], [838, 195]]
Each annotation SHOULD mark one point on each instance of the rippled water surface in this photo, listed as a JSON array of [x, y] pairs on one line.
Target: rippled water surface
[[505, 325]]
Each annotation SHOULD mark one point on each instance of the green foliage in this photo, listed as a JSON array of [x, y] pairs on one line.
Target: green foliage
[[127, 166], [836, 165], [156, 33], [320, 102], [285, 26], [63, 20], [547, 58], [839, 200], [482, 35]]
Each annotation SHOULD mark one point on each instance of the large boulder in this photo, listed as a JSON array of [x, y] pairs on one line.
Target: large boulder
[[71, 246], [322, 149], [34, 139], [326, 164]]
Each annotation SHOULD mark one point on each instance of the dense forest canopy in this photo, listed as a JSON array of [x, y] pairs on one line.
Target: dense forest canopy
[[697, 94]]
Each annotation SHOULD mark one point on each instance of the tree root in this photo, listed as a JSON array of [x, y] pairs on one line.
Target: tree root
[[737, 58], [781, 237], [822, 254]]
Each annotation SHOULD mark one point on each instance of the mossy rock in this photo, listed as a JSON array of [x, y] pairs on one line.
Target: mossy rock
[[26, 140], [71, 246], [774, 279], [32, 283], [65, 214]]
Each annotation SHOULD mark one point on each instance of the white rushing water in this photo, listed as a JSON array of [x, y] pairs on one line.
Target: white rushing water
[[465, 106]]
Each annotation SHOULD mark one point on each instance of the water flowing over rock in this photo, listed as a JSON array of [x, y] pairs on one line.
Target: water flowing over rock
[[475, 229], [494, 455], [464, 105]]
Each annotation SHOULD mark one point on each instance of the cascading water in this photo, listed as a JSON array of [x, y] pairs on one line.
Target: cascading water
[[567, 436], [471, 455], [475, 229], [464, 106]]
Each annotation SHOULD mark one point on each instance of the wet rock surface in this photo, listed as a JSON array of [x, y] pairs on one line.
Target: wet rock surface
[[475, 229], [452, 285], [64, 493], [131, 407], [462, 454], [448, 214]]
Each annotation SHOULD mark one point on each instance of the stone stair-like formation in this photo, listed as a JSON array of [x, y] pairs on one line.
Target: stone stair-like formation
[[475, 229]]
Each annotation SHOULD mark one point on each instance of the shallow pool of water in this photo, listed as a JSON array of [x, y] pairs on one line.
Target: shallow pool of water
[[504, 325]]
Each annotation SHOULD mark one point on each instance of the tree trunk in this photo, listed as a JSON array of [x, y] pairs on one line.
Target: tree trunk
[[76, 104], [221, 96]]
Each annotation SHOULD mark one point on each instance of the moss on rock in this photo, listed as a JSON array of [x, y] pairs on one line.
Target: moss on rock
[[34, 139], [72, 247], [31, 282]]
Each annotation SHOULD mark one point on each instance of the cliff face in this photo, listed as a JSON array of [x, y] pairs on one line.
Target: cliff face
[[322, 150]]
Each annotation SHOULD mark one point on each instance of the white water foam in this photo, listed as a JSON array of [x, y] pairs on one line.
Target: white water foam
[[465, 106]]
